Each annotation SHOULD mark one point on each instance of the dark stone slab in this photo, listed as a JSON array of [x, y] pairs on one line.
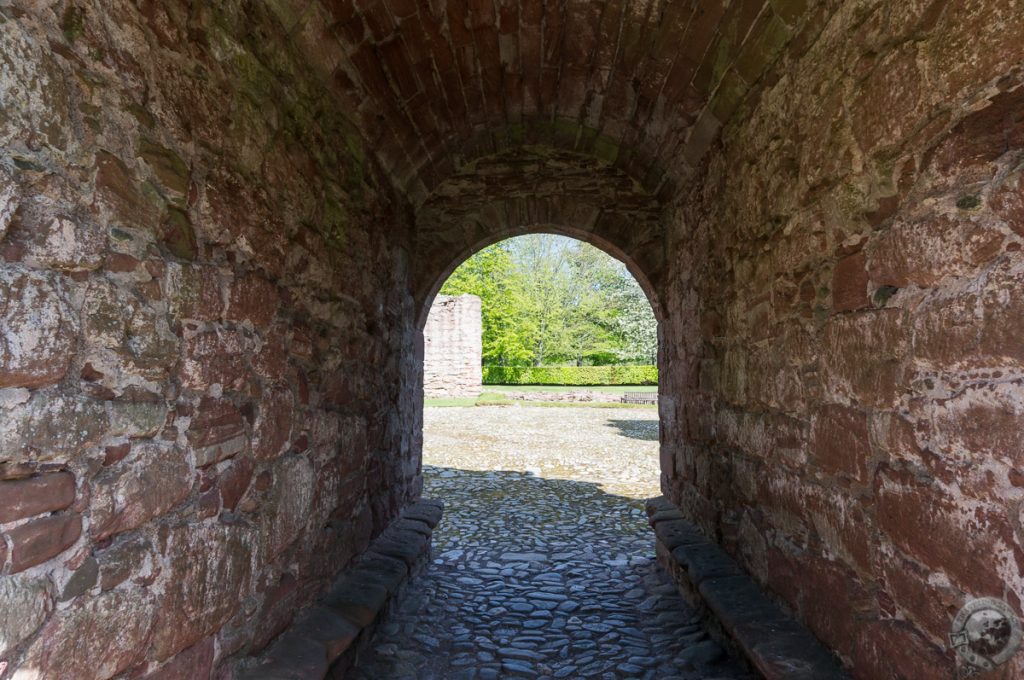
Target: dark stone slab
[[391, 572], [786, 650], [332, 630], [665, 516], [291, 658], [674, 533], [705, 560], [419, 526], [358, 597], [659, 503], [324, 633], [775, 644], [426, 511], [735, 600], [404, 544]]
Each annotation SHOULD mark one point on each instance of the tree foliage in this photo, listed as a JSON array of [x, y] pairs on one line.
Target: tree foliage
[[549, 300]]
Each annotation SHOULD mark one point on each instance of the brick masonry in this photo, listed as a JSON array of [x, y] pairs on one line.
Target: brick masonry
[[220, 226], [452, 347]]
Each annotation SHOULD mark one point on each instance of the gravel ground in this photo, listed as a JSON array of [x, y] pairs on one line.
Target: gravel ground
[[543, 564]]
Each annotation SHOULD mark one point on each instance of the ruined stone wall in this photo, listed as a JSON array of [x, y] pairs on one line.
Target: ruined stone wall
[[207, 363], [843, 377], [452, 339]]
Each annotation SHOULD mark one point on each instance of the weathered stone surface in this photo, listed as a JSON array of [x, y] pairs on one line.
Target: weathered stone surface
[[84, 578], [277, 611], [137, 419], [154, 479], [850, 283], [125, 559], [273, 425], [214, 357], [216, 431], [36, 495], [841, 442], [37, 328], [287, 503], [95, 639], [50, 427], [42, 539], [24, 605], [61, 242], [191, 664], [332, 631], [252, 298], [234, 481], [208, 572]]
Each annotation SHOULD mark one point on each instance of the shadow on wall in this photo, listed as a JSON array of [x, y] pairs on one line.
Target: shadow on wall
[[647, 430]]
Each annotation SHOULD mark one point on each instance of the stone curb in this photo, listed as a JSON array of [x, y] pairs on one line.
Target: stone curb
[[775, 644], [345, 617]]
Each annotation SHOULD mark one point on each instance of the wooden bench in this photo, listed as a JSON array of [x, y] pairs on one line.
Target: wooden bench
[[640, 398]]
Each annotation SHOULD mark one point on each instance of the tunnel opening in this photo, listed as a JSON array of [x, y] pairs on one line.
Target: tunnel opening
[[544, 564]]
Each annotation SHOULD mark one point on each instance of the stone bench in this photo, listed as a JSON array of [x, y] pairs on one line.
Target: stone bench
[[639, 398], [736, 609], [326, 637]]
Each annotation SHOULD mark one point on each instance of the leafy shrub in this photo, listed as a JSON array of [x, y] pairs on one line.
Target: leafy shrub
[[570, 375]]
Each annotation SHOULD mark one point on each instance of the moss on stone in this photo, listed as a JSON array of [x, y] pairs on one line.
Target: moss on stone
[[72, 23], [178, 235], [172, 172]]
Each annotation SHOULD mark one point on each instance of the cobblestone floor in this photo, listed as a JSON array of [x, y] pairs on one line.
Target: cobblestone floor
[[543, 564]]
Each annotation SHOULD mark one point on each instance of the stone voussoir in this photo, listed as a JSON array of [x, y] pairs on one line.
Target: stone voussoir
[[773, 642], [347, 613]]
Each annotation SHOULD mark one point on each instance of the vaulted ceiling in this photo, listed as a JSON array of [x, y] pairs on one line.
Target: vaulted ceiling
[[644, 85]]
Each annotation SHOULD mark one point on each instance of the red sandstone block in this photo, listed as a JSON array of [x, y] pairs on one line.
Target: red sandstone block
[[850, 283], [944, 532], [1003, 309], [253, 298], [946, 329], [214, 357], [863, 354], [193, 663], [42, 539], [927, 603], [983, 137], [927, 250], [273, 425], [895, 649], [34, 496], [841, 441], [279, 604], [217, 431], [1007, 201], [234, 481]]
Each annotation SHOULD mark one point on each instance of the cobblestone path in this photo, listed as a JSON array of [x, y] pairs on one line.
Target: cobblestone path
[[540, 570]]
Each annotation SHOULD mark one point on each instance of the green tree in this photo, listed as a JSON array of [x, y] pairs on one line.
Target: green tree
[[549, 299], [492, 276]]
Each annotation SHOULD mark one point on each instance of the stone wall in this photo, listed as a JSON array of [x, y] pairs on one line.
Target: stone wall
[[204, 405], [220, 222], [844, 358], [452, 365]]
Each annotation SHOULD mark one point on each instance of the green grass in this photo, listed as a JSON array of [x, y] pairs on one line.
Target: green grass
[[498, 399], [608, 389]]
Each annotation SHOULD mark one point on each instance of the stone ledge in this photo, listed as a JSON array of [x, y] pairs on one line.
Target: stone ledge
[[775, 644], [328, 634]]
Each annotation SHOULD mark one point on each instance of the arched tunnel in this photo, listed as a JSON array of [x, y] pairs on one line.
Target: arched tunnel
[[221, 226]]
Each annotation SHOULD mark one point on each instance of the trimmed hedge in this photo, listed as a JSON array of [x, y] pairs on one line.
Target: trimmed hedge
[[570, 375]]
